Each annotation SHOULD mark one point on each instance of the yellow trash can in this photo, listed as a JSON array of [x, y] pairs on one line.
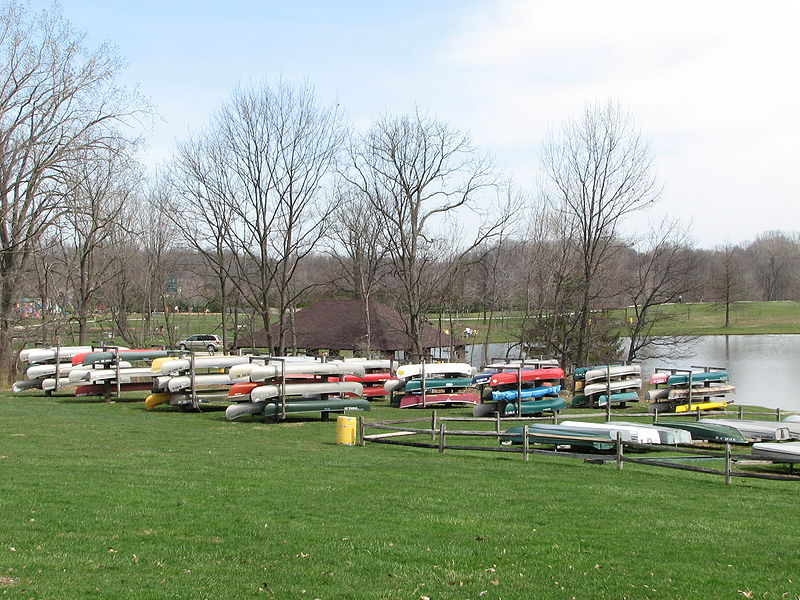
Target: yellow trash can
[[346, 430]]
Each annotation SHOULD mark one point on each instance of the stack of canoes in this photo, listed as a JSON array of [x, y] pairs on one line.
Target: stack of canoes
[[433, 385], [601, 385], [49, 369], [522, 391], [377, 372], [189, 379], [275, 388], [674, 391], [104, 371], [485, 374]]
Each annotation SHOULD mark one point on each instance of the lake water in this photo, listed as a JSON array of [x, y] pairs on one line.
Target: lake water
[[762, 367]]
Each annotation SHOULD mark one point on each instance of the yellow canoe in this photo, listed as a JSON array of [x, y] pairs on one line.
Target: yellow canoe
[[701, 406], [154, 400]]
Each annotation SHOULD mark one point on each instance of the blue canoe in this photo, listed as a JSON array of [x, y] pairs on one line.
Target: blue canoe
[[539, 392]]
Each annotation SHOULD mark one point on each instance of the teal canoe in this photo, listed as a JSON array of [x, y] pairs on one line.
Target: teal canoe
[[683, 378], [580, 400], [444, 383], [558, 435], [106, 356], [329, 405], [710, 432], [534, 407]]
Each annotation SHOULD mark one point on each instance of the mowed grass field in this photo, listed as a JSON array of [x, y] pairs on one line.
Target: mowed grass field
[[106, 500]]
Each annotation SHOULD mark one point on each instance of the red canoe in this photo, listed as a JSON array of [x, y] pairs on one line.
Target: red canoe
[[370, 378], [415, 400], [95, 389], [506, 377]]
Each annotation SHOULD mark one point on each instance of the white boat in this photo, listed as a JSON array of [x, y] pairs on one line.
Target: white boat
[[37, 355], [182, 382], [371, 364], [26, 384], [630, 433], [265, 392], [439, 369], [212, 361], [526, 363], [234, 411], [783, 452], [82, 373], [49, 384], [39, 370], [667, 434], [126, 375], [615, 386], [756, 430], [264, 372], [614, 372]]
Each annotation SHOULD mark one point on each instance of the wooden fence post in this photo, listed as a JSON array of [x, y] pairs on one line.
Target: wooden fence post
[[433, 426], [525, 443], [361, 440], [727, 464], [441, 438]]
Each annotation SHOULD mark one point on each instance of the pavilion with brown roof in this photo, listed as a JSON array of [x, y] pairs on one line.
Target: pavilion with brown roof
[[337, 325]]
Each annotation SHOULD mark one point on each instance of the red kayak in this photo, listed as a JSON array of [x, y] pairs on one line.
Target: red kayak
[[370, 378], [506, 377], [95, 389], [415, 400]]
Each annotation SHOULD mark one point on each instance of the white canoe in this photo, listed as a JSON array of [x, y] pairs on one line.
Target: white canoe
[[453, 369], [49, 384], [265, 392], [630, 433], [264, 372], [212, 361], [37, 370], [619, 384], [658, 394], [615, 372], [126, 375], [756, 430], [373, 364], [784, 452], [668, 435], [527, 363], [82, 373], [27, 384], [234, 411], [182, 382], [36, 355]]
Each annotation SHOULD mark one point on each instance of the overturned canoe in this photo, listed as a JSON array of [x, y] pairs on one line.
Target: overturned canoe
[[535, 407], [709, 432]]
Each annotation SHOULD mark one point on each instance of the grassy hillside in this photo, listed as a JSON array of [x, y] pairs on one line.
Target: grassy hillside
[[106, 500]]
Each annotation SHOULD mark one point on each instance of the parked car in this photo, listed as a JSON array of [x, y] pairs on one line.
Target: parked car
[[201, 341]]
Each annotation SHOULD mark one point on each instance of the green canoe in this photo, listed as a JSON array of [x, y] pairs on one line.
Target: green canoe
[[444, 383], [557, 435], [710, 432], [534, 407]]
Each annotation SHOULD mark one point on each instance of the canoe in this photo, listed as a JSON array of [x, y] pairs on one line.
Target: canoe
[[265, 372], [535, 407], [528, 363], [668, 435], [38, 371], [182, 382], [756, 430], [615, 386], [538, 392], [618, 398], [658, 378], [580, 372], [37, 355], [616, 372], [81, 373], [783, 452], [700, 406], [370, 364], [370, 377], [393, 385], [26, 384], [373, 391], [440, 383], [630, 433], [96, 389], [451, 369], [126, 374], [241, 390], [708, 391], [653, 395], [49, 384], [298, 406], [154, 400], [710, 432], [558, 435], [484, 409], [107, 356], [167, 365], [698, 377], [266, 392], [508, 377], [431, 400]]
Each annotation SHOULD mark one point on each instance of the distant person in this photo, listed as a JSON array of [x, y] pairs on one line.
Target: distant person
[[680, 299]]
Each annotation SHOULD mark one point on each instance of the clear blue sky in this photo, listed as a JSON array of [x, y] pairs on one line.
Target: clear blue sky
[[712, 84]]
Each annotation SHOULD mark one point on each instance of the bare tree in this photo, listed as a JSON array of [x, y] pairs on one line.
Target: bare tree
[[102, 183], [774, 256], [418, 175], [728, 276], [265, 162], [359, 248], [599, 170], [56, 98], [657, 274]]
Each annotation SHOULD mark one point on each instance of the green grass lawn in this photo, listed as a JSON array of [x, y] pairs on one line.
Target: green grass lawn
[[106, 500]]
